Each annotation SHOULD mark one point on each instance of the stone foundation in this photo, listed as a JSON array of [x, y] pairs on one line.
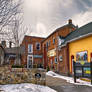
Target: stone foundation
[[10, 75]]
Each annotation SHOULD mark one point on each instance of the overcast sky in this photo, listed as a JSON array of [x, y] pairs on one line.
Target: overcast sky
[[42, 17]]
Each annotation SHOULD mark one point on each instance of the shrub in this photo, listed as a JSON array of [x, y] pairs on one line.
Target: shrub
[[48, 69], [17, 66]]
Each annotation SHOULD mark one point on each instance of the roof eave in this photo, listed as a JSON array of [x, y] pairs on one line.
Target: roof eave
[[77, 38]]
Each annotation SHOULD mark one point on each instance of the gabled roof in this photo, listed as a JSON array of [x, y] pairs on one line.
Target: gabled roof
[[67, 25], [25, 37], [79, 33], [34, 36]]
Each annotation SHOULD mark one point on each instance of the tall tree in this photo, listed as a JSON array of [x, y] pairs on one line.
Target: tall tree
[[10, 20]]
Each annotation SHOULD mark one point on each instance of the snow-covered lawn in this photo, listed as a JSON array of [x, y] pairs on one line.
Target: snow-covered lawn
[[68, 79], [25, 87]]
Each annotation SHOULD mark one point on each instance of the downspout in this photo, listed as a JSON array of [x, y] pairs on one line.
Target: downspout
[[68, 63], [57, 53]]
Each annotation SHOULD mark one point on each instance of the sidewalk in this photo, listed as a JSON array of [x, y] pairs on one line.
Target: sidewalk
[[61, 85], [53, 81], [56, 83]]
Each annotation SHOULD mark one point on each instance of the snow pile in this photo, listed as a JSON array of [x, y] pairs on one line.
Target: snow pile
[[68, 79], [25, 87]]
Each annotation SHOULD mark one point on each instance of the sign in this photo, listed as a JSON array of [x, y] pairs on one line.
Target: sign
[[51, 53], [37, 75], [87, 71], [60, 40], [84, 70], [17, 70], [37, 56], [81, 57], [78, 71]]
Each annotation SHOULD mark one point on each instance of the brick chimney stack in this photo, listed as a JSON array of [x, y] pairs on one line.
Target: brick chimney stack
[[70, 21]]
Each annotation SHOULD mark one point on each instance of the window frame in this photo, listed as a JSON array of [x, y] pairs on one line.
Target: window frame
[[39, 46], [28, 58], [31, 48], [55, 60], [47, 45], [53, 40], [49, 42]]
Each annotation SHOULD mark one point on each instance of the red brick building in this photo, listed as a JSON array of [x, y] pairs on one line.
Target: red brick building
[[33, 51], [47, 51], [54, 57]]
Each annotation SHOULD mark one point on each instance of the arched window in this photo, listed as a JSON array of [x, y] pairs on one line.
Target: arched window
[[38, 46]]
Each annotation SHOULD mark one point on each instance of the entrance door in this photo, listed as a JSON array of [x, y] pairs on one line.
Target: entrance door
[[30, 61], [72, 59]]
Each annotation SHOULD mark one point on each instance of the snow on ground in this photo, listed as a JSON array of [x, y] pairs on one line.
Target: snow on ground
[[25, 87], [69, 79]]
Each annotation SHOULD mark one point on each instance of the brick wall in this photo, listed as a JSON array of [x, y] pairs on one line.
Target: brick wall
[[32, 40], [60, 67], [63, 66]]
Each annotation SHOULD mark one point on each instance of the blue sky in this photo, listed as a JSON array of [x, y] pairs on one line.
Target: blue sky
[[42, 17]]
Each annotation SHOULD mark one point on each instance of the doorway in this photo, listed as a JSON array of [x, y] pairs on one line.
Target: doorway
[[30, 61], [72, 59]]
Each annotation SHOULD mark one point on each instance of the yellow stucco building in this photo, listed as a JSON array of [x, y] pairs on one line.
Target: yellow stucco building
[[79, 45]]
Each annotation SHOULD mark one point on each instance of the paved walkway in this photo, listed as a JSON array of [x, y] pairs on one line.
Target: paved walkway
[[61, 85], [52, 81]]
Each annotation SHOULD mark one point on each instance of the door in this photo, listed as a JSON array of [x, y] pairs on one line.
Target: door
[[30, 61], [72, 59]]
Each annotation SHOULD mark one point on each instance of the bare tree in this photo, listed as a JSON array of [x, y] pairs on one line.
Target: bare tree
[[10, 20]]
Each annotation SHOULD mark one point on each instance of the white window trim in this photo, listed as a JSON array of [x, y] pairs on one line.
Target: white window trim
[[28, 60], [31, 48]]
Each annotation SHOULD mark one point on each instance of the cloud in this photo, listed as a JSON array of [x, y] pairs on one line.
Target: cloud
[[44, 16], [83, 18]]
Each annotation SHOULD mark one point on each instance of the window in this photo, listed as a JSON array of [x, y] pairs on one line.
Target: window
[[61, 58], [55, 59], [49, 43], [38, 46], [54, 41], [30, 48]]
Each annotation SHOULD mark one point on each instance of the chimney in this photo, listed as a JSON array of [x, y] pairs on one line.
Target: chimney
[[10, 44], [3, 43], [69, 21]]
